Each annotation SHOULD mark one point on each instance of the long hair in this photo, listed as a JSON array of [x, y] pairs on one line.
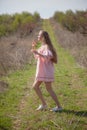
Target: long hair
[[50, 46]]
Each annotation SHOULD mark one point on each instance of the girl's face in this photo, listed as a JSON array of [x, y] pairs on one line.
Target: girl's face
[[40, 36]]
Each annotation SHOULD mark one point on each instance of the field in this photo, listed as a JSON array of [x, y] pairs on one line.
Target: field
[[19, 101]]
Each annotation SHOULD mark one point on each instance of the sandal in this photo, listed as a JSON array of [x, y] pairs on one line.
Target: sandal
[[56, 109], [41, 107]]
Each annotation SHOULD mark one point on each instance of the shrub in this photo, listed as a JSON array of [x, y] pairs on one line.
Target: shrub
[[13, 23], [2, 30], [72, 21]]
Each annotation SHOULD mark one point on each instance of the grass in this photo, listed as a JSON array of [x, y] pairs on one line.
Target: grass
[[10, 99], [18, 104]]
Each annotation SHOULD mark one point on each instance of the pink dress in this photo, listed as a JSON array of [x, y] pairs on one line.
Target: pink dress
[[45, 67]]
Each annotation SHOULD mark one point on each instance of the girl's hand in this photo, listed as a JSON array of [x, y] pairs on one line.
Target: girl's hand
[[34, 44], [34, 51]]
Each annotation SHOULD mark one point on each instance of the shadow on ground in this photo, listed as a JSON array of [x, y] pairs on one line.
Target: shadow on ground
[[77, 113]]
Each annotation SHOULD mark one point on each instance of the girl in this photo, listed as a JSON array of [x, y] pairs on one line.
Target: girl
[[46, 57]]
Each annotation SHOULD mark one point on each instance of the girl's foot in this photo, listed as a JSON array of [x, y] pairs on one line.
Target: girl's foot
[[56, 109], [41, 107]]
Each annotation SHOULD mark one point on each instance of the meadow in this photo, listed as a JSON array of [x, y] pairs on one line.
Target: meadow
[[19, 101]]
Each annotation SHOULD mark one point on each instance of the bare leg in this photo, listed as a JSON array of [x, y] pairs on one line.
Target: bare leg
[[36, 87], [52, 93]]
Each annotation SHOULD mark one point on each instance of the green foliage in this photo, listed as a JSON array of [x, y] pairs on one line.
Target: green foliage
[[59, 16], [12, 23], [5, 21], [36, 16], [2, 30], [73, 21], [28, 19], [16, 22]]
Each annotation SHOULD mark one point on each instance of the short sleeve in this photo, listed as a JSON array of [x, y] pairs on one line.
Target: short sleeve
[[47, 55]]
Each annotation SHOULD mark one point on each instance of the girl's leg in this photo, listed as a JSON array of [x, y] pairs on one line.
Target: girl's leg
[[36, 87], [52, 93]]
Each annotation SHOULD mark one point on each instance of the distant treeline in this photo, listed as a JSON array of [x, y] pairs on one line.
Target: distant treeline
[[23, 22], [73, 21]]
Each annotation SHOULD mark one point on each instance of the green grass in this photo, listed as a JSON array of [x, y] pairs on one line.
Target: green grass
[[10, 99], [18, 104]]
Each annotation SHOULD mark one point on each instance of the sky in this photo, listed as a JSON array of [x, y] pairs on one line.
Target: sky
[[46, 8]]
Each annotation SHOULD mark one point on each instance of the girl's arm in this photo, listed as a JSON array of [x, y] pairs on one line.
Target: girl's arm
[[37, 53], [43, 56]]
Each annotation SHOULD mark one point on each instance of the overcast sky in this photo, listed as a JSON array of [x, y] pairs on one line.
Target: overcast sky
[[45, 8]]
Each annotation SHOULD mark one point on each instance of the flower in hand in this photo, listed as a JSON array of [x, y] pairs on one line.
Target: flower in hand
[[34, 44]]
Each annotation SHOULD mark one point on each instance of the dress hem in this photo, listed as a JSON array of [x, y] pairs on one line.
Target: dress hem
[[44, 79]]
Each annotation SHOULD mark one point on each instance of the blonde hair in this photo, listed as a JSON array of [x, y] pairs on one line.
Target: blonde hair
[[50, 45]]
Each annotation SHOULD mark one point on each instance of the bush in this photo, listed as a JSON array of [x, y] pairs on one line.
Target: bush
[[72, 21], [13, 23], [2, 30]]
